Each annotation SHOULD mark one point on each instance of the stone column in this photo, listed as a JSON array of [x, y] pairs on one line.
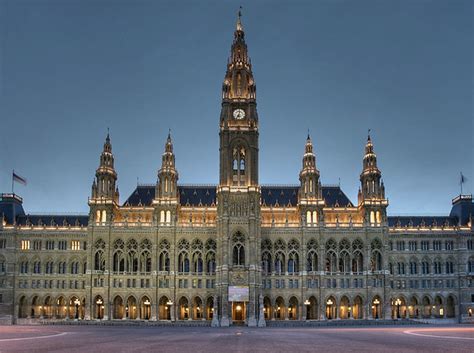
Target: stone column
[[215, 315], [261, 314]]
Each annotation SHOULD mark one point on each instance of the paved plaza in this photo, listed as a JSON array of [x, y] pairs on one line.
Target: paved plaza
[[236, 339]]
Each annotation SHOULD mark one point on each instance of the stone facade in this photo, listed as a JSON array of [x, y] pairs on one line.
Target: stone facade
[[238, 251]]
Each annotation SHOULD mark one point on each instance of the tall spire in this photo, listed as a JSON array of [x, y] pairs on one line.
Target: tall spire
[[239, 82], [239, 26]]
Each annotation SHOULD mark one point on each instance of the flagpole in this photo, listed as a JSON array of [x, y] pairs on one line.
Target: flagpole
[[13, 183]]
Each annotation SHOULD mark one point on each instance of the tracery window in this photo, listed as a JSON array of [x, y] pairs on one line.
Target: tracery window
[[183, 257], [164, 257], [99, 258], [312, 256], [211, 256], [119, 257], [238, 249], [238, 166]]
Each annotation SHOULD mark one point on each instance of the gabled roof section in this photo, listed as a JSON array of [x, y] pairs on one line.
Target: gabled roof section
[[421, 221], [205, 196], [53, 220], [189, 195]]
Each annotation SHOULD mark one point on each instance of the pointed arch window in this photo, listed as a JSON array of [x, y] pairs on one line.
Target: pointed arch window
[[238, 166], [238, 249]]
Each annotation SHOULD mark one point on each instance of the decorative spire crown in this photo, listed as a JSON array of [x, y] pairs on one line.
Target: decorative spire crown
[[239, 26], [169, 143]]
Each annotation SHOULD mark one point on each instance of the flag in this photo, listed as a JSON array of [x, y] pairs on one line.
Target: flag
[[463, 179], [19, 179]]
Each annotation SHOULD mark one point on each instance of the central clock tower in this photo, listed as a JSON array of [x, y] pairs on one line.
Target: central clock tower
[[238, 193]]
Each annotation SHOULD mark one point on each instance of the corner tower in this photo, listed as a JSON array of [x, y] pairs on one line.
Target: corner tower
[[238, 267]]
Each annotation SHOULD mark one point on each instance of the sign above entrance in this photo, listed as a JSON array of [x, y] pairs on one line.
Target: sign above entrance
[[238, 293]]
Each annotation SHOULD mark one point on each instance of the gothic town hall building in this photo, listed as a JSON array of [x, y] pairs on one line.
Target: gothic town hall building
[[240, 251]]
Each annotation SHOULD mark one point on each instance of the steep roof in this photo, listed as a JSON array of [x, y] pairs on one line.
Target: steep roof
[[205, 195], [53, 220], [421, 221]]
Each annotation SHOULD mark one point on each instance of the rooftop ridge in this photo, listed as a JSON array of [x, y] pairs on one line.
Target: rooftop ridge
[[418, 215], [262, 185], [59, 214]]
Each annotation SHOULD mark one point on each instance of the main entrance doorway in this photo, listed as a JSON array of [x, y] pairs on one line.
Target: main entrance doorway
[[238, 312]]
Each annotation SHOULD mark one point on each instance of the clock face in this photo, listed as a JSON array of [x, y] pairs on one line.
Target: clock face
[[239, 114]]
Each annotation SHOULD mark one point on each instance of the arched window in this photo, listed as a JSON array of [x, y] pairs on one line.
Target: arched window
[[164, 258], [162, 216], [372, 217], [315, 217], [309, 220], [168, 217], [238, 249], [266, 263], [293, 262], [238, 165], [279, 263], [99, 258], [183, 261], [211, 263]]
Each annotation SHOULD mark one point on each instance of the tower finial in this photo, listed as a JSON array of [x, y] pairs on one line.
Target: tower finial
[[368, 134], [239, 22], [308, 138]]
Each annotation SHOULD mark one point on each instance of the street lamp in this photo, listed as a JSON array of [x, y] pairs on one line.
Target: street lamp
[[398, 302], [329, 304], [147, 307], [376, 304], [169, 304], [99, 303], [307, 303], [77, 303]]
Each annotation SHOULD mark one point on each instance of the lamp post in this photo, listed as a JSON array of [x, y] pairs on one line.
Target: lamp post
[[169, 306], [99, 303], [306, 305], [376, 305], [398, 302], [77, 303], [147, 307], [329, 304]]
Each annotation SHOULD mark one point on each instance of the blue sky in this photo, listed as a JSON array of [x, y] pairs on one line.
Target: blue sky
[[70, 69]]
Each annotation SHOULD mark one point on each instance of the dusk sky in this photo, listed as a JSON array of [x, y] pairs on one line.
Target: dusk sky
[[70, 69]]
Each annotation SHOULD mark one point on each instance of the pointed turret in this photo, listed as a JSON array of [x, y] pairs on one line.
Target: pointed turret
[[106, 176], [104, 196], [166, 193], [372, 191], [167, 175], [310, 200]]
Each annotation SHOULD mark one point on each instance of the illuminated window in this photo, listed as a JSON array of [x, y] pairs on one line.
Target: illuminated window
[[104, 216], [75, 245], [25, 245], [372, 217]]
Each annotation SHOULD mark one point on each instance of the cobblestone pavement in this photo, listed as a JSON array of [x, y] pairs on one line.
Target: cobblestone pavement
[[104, 339]]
